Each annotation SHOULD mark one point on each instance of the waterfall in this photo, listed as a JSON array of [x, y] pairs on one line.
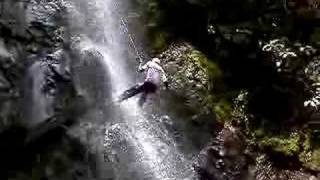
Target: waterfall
[[40, 108], [136, 143]]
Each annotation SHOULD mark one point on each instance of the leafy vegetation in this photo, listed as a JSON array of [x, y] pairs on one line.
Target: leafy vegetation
[[260, 47], [288, 145]]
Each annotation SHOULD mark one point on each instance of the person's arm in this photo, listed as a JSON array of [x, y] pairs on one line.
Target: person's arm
[[164, 78], [142, 68]]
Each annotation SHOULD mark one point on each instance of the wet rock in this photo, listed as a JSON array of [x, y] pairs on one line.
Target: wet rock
[[187, 76], [4, 83], [45, 12], [91, 76], [224, 157], [33, 47]]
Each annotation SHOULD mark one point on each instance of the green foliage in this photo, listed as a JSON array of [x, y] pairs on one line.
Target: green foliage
[[259, 132], [314, 162], [310, 156], [223, 109], [152, 16], [211, 67], [237, 27], [159, 40], [303, 145], [150, 10], [315, 37], [289, 145]]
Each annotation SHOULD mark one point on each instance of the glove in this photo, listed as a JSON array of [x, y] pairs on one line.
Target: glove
[[140, 68], [139, 60]]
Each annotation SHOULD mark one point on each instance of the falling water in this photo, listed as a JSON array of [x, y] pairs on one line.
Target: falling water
[[136, 143], [41, 102]]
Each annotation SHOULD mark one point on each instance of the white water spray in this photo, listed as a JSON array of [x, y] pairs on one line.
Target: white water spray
[[137, 145]]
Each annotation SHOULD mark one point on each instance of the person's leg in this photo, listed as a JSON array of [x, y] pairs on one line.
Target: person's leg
[[142, 99], [156, 98], [131, 92], [149, 89]]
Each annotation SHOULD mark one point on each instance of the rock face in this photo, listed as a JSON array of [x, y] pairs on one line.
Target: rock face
[[178, 66], [32, 53], [91, 77], [37, 93], [227, 155], [224, 157], [188, 77]]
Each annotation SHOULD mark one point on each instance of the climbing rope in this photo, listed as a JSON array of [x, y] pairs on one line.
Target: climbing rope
[[125, 30], [124, 24]]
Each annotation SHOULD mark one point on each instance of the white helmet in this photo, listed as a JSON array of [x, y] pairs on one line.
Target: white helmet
[[156, 60]]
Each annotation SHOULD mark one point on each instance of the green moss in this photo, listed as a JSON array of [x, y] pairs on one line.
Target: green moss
[[208, 65], [314, 162], [302, 145], [152, 16], [311, 159], [315, 37], [217, 100], [159, 40], [223, 109], [259, 133], [287, 145], [310, 156]]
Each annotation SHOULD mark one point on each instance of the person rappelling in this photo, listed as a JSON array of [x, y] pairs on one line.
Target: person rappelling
[[154, 75]]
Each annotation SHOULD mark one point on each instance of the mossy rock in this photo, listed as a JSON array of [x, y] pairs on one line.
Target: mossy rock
[[208, 65], [218, 102], [197, 78], [159, 40], [310, 157], [314, 161]]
